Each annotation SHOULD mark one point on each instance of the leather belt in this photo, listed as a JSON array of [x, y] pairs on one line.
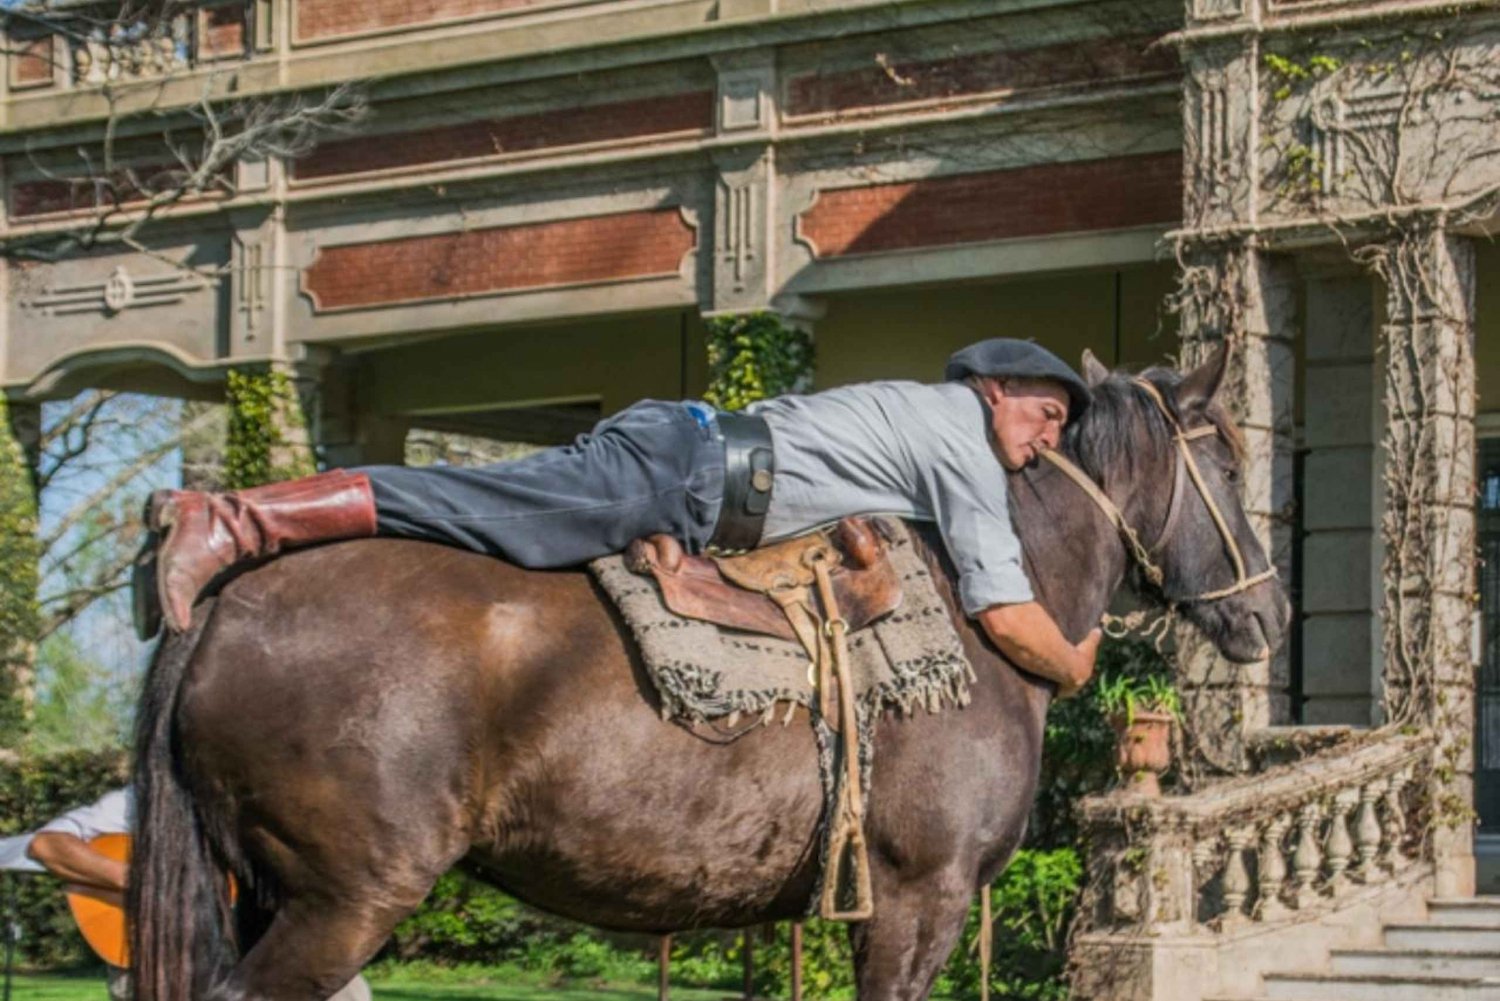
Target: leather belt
[[749, 474]]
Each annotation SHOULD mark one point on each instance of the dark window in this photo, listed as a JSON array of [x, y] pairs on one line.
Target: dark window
[[1487, 707]]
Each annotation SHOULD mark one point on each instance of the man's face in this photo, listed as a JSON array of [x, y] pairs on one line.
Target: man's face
[[1026, 416]]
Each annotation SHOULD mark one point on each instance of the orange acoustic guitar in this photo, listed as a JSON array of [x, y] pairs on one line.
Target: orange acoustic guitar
[[101, 913]]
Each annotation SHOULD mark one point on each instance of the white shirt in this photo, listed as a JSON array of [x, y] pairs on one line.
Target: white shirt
[[112, 813]]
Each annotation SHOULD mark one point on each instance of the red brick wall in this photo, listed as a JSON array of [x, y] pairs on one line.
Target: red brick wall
[[535, 255], [619, 120], [37, 197], [315, 19], [995, 205], [221, 31], [975, 73], [33, 63]]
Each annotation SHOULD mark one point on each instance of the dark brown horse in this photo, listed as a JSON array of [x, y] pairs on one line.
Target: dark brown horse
[[346, 723]]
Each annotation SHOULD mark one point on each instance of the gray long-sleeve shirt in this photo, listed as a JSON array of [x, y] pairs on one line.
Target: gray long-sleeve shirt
[[906, 449]]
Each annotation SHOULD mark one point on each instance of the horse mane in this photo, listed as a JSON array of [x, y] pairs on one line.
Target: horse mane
[[1104, 437]]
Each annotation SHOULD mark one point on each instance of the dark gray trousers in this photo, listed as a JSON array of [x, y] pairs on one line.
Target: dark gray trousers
[[653, 467]]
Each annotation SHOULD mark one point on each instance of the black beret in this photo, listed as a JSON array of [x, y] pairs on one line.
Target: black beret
[[1004, 358]]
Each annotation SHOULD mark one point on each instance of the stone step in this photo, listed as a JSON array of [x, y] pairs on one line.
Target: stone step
[[1415, 962], [1476, 912], [1432, 938], [1349, 987]]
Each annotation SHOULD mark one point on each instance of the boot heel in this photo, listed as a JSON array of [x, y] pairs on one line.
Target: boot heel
[[145, 606], [158, 515]]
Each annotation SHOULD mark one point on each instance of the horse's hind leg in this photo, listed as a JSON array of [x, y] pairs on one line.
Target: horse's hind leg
[[900, 951], [311, 949]]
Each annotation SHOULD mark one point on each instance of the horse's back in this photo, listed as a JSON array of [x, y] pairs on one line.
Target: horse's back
[[378, 669]]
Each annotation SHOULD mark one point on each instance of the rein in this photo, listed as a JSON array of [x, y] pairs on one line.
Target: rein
[[1185, 464]]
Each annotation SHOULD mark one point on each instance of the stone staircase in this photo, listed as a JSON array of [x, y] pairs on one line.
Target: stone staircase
[[1453, 956]]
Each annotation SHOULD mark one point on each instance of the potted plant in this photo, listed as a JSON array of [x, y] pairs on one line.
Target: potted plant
[[1142, 711]]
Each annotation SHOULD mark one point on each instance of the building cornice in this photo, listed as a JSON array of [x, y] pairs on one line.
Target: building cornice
[[456, 57]]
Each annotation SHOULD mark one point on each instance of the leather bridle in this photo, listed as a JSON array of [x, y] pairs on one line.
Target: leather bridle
[[1186, 469]]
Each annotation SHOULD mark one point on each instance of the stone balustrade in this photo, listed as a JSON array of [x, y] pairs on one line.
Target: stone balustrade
[[1259, 849]]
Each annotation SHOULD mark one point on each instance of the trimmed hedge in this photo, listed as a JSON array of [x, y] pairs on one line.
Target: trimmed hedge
[[32, 792]]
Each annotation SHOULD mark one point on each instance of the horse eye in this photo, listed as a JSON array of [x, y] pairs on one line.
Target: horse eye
[[1232, 474]]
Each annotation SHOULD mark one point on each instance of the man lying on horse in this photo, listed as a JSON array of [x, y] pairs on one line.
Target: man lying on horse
[[716, 481]]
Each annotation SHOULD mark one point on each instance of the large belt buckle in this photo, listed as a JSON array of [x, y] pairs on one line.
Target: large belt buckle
[[761, 480]]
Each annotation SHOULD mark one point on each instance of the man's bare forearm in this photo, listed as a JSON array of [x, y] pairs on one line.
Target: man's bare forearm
[[1029, 637], [72, 860]]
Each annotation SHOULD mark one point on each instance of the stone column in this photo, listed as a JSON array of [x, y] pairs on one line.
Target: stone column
[[1250, 299], [1340, 514], [745, 209], [20, 438], [1428, 521]]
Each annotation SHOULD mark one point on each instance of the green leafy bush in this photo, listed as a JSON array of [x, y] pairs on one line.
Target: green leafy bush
[[1032, 904], [753, 356]]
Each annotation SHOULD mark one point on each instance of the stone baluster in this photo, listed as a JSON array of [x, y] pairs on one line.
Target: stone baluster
[[1395, 820], [1272, 868], [1367, 830], [1307, 859], [1205, 849], [1236, 875], [1340, 844]]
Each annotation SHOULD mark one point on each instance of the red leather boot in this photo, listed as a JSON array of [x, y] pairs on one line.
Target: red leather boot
[[207, 533]]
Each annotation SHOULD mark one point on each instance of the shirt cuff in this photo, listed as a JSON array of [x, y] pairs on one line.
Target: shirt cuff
[[1005, 585]]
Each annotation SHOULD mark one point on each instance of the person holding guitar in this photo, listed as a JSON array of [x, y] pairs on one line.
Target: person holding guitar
[[89, 849]]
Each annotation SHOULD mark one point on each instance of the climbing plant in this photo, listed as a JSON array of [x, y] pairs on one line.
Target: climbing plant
[[265, 423], [755, 355], [18, 583]]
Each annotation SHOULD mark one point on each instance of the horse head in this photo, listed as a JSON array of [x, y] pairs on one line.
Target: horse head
[[1170, 458]]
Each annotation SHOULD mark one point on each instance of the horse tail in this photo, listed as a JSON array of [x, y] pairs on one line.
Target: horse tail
[[178, 904]]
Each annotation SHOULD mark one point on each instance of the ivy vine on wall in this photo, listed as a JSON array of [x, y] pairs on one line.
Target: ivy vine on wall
[[755, 355], [19, 555], [264, 418]]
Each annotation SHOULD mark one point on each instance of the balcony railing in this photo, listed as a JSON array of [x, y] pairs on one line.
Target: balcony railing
[[1264, 848], [81, 45]]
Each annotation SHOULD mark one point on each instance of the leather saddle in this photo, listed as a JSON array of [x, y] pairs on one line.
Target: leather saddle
[[737, 591]]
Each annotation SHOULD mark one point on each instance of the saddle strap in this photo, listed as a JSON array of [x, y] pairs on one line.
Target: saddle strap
[[796, 603], [848, 834]]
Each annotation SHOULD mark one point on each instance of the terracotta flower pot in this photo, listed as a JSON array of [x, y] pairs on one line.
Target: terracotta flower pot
[[1143, 750]]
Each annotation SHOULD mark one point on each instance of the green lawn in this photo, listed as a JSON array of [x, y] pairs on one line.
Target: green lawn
[[85, 987]]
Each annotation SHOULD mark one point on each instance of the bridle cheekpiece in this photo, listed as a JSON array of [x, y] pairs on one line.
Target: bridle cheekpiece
[[1186, 464]]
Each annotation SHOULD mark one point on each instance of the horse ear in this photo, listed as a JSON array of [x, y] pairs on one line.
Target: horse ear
[[1094, 371], [1202, 384]]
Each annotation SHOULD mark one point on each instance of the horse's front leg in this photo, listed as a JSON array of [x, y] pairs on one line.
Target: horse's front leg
[[900, 951]]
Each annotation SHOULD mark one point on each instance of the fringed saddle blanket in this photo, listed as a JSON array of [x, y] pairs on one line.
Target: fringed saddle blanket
[[910, 659]]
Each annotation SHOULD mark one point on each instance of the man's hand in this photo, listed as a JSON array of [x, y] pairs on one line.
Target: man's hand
[[1088, 652], [1027, 635]]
